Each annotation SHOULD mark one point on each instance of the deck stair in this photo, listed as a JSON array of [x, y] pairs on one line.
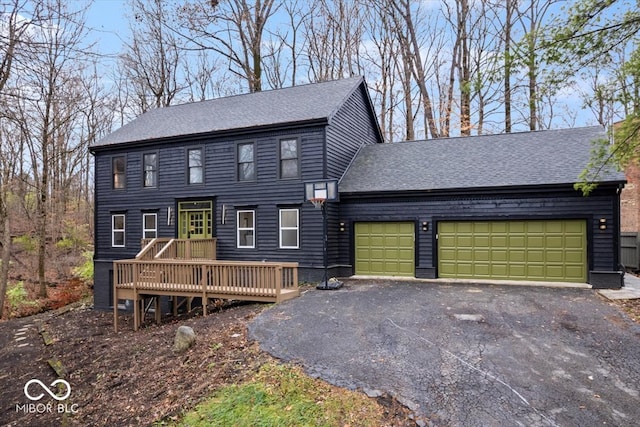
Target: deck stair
[[182, 268]]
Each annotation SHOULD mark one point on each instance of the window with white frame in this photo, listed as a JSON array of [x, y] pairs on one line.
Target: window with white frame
[[117, 230], [289, 229], [246, 226], [149, 225]]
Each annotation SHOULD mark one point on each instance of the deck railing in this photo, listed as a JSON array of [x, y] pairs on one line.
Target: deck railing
[[242, 280], [170, 248]]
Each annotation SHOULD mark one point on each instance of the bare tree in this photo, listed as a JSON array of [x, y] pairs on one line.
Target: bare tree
[[381, 60], [152, 58], [233, 29], [13, 41], [47, 105], [404, 19], [334, 34], [531, 18]]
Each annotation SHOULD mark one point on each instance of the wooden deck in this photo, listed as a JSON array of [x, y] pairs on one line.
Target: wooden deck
[[153, 275]]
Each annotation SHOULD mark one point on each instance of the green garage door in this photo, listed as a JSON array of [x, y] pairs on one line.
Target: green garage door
[[385, 249], [554, 250]]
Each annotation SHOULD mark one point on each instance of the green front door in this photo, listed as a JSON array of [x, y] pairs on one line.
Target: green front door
[[544, 250], [195, 220], [385, 249]]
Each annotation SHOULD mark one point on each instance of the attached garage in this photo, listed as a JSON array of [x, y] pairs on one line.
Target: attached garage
[[540, 250], [385, 249], [501, 207]]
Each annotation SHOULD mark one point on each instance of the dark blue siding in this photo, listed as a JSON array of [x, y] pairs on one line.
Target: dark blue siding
[[351, 127]]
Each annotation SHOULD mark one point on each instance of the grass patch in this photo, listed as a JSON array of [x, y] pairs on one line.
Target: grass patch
[[282, 395]]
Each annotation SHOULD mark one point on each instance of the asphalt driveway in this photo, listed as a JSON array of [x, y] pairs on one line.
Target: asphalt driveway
[[468, 355]]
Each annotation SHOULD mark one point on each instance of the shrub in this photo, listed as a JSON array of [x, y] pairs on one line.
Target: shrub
[[16, 295], [85, 271], [27, 242]]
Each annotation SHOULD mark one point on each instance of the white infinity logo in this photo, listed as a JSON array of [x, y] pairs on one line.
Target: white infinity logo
[[45, 388]]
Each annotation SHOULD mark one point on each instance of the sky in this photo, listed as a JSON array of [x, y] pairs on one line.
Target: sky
[[108, 22], [107, 19]]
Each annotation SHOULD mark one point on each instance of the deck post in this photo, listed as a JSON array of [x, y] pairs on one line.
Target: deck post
[[203, 283], [278, 283], [115, 296], [157, 309], [136, 307]]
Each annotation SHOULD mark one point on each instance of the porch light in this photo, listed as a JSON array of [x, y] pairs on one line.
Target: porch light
[[425, 225], [603, 223]]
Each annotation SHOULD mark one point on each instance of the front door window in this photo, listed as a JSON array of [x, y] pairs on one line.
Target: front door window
[[195, 220]]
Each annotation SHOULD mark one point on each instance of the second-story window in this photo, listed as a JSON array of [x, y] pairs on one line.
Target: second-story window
[[118, 165], [246, 162], [289, 165], [150, 166], [196, 166]]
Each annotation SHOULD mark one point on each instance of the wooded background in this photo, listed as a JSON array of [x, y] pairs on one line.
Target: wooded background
[[435, 68]]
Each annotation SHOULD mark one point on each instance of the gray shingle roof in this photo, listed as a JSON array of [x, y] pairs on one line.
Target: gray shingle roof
[[294, 104], [505, 160]]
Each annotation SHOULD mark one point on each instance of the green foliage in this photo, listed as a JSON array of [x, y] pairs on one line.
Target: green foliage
[[27, 242], [75, 237], [588, 30], [607, 157], [284, 396], [85, 271], [17, 296]]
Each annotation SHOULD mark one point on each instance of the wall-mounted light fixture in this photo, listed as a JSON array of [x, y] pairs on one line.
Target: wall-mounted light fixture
[[603, 223], [425, 225], [169, 216], [342, 226]]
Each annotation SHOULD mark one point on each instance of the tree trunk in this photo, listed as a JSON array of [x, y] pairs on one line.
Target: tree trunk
[[6, 253], [507, 67]]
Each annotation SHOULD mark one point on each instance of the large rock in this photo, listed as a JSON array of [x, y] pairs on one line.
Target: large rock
[[185, 337]]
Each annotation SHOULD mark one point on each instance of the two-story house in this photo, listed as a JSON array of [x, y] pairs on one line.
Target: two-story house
[[235, 168], [232, 168]]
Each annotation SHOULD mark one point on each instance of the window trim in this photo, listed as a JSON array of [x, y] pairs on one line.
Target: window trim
[[239, 228], [188, 164], [144, 222], [123, 230], [238, 163], [123, 173], [281, 228], [154, 170], [297, 158]]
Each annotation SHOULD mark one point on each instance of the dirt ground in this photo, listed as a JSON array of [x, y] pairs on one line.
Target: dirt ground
[[127, 378]]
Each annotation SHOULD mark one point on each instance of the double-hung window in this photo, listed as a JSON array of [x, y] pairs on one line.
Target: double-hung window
[[117, 230], [150, 165], [195, 166], [289, 229], [246, 226], [289, 164], [246, 162], [149, 225], [118, 172]]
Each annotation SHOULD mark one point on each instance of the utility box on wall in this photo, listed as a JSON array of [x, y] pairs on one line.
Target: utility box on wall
[[606, 279]]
